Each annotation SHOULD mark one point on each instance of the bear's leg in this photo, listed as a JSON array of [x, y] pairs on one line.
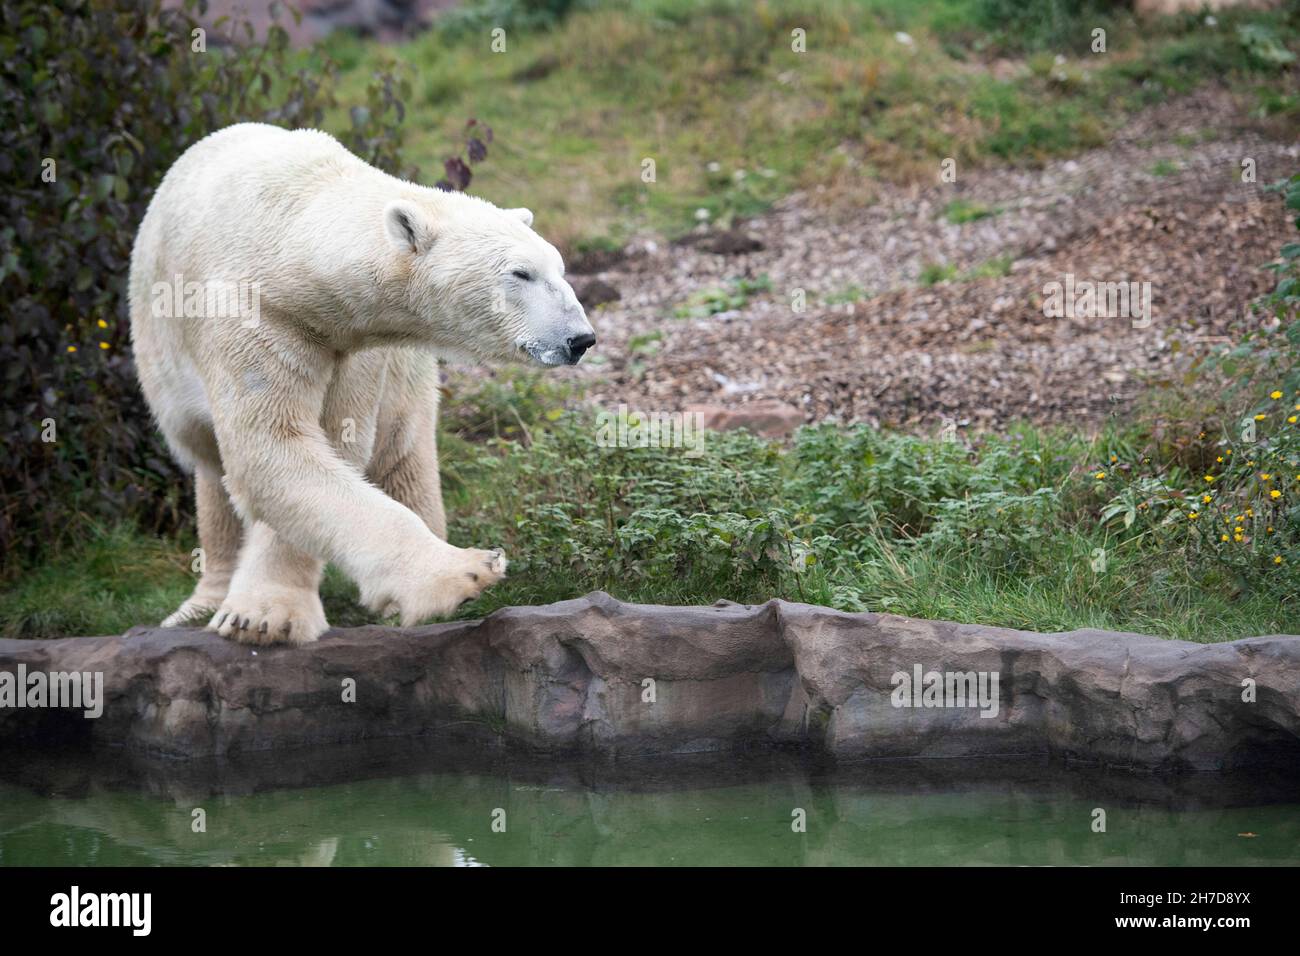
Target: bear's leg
[[220, 531], [405, 459], [414, 481], [274, 597], [282, 469]]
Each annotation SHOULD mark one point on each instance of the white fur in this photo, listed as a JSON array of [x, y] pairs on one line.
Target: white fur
[[311, 427]]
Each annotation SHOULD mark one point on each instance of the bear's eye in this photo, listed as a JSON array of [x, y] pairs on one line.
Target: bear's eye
[[521, 274]]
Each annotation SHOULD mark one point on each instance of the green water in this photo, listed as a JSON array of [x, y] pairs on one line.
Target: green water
[[446, 819]]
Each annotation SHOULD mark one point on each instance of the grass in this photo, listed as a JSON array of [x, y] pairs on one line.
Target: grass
[[933, 273], [117, 578], [734, 118], [961, 211], [994, 268], [1040, 529], [710, 301], [850, 293]]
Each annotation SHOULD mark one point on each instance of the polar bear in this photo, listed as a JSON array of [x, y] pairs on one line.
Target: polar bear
[[289, 304]]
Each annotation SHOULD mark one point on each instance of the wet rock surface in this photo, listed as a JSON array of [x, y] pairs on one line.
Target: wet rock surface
[[595, 676]]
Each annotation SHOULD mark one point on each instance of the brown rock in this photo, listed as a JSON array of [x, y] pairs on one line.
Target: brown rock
[[594, 292], [731, 242], [593, 260]]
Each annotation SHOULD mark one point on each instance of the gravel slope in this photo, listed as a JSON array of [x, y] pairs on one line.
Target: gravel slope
[[1162, 203]]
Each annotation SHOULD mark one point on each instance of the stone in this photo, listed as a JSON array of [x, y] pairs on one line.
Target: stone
[[731, 242], [592, 261], [594, 292], [767, 417], [597, 677]]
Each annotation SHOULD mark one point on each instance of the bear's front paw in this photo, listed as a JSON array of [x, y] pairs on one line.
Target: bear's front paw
[[452, 578], [272, 616]]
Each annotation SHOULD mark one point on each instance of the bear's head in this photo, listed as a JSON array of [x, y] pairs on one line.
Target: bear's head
[[489, 287]]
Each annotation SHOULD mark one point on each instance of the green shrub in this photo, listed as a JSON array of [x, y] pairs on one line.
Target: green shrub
[[1016, 530]]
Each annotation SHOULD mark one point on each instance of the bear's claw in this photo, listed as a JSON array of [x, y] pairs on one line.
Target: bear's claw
[[276, 616], [445, 583]]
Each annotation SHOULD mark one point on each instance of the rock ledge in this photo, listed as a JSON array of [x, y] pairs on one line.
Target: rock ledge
[[597, 676]]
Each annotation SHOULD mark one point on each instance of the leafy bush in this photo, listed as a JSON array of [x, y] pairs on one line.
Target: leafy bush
[[1263, 46], [1027, 529], [1229, 498], [98, 98], [745, 519]]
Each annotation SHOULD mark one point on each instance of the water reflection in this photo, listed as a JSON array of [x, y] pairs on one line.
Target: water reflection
[[441, 814]]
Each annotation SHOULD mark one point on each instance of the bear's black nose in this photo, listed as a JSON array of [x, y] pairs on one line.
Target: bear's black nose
[[579, 344]]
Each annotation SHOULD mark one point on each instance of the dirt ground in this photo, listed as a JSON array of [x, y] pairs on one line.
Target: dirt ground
[[1163, 203]]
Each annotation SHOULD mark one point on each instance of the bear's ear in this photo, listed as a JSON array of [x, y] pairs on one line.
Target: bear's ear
[[408, 226], [523, 215]]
